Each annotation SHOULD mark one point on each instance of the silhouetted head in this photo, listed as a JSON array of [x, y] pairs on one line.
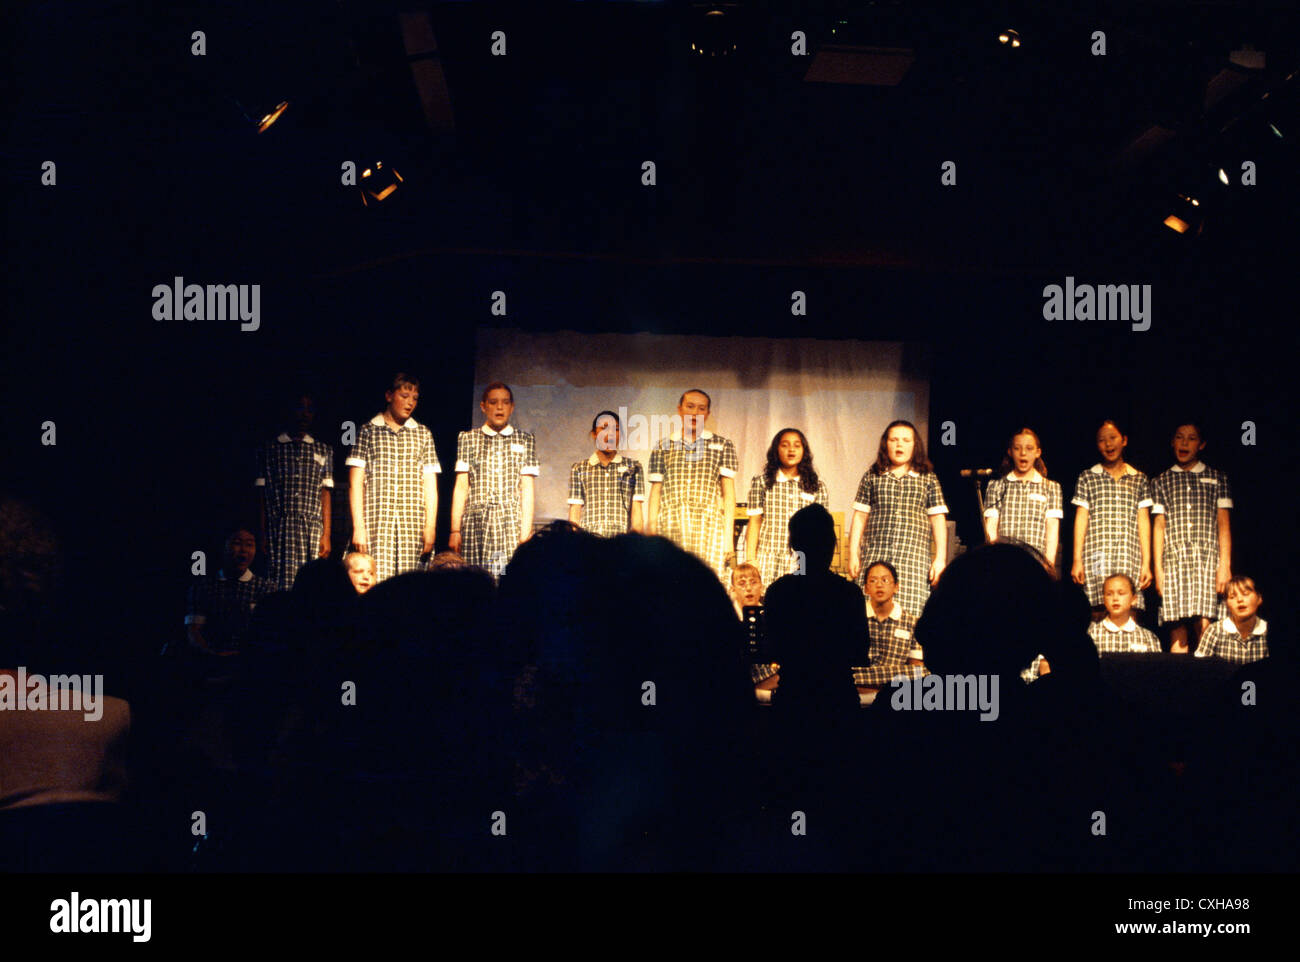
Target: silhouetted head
[[812, 531], [990, 613]]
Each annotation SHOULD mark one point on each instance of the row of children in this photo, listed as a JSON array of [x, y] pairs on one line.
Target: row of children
[[688, 495]]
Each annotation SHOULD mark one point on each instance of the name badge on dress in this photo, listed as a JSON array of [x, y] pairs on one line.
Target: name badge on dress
[[622, 469], [902, 633], [807, 497], [1036, 496], [1207, 480], [318, 458], [714, 446], [517, 448]]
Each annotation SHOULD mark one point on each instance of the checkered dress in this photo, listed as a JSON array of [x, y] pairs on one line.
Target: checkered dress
[[1132, 637], [396, 463], [1190, 502], [494, 461], [1111, 544], [1223, 640], [776, 504], [224, 607], [898, 529], [606, 493], [690, 504], [1030, 674], [891, 643], [1022, 508], [291, 474]]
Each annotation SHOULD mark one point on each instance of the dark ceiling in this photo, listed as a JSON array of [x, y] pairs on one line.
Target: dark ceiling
[[542, 150]]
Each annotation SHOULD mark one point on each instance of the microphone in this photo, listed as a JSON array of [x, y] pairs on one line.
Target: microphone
[[976, 472]]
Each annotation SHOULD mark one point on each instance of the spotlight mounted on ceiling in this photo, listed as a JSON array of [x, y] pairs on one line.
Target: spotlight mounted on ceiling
[[262, 116], [377, 183], [1009, 38], [1188, 216]]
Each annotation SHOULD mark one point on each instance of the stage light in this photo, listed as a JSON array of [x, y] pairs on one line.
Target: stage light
[[1009, 37], [378, 183], [1188, 217], [1276, 133], [1223, 176], [261, 117], [269, 118]]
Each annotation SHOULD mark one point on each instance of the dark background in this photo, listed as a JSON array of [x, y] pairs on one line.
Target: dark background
[[527, 180]]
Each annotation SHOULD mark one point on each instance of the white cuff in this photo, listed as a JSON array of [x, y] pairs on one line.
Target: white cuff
[[990, 512], [1225, 503], [638, 497], [462, 467], [864, 508], [1145, 503], [576, 501], [433, 469], [355, 462], [531, 471], [726, 472], [753, 512], [1156, 508], [1054, 513], [655, 478], [1079, 502], [938, 509], [327, 482]]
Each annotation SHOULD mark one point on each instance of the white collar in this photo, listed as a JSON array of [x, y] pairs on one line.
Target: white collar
[[909, 473], [1261, 626], [506, 431], [702, 436], [1034, 478], [246, 576], [594, 459], [781, 476], [1200, 466], [895, 613], [284, 438], [1128, 469], [379, 420], [1129, 625]]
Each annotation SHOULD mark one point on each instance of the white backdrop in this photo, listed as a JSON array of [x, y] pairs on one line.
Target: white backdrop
[[841, 394]]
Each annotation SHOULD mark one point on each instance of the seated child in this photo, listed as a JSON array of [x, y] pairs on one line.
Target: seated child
[[1242, 637], [747, 591], [362, 571], [220, 607], [892, 649], [1118, 632]]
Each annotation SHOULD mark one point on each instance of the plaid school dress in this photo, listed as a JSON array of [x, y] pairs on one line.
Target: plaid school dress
[[898, 529], [892, 642], [1190, 502], [1111, 640], [776, 504], [494, 461], [291, 474], [606, 492], [690, 504], [223, 607], [1223, 640], [396, 462], [1022, 508], [1111, 545]]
